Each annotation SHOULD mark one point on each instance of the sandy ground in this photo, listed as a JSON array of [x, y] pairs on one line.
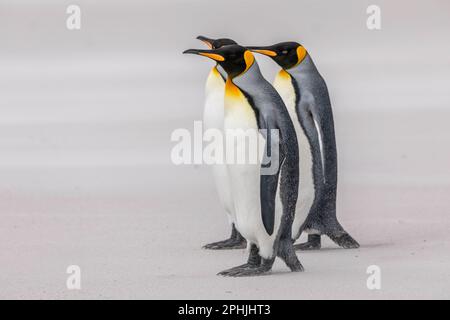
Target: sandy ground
[[86, 177], [136, 233]]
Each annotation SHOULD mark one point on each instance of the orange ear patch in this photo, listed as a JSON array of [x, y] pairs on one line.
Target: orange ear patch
[[301, 54], [249, 59]]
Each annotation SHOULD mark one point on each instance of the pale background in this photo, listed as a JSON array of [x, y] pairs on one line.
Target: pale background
[[85, 171]]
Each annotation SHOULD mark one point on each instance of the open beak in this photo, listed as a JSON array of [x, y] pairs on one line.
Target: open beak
[[207, 41], [206, 53], [267, 51]]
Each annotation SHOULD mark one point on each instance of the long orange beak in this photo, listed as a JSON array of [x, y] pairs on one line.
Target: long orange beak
[[206, 53], [263, 50]]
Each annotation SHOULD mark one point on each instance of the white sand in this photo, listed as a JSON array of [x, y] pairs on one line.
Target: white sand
[[98, 196]]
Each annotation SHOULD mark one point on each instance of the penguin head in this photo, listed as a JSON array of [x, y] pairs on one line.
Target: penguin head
[[286, 54], [234, 59], [216, 43]]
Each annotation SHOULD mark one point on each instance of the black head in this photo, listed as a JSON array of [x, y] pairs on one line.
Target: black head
[[286, 54], [234, 59], [216, 43]]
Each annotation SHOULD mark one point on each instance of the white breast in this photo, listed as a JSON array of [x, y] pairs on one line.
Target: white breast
[[213, 118], [245, 178], [283, 85], [214, 101]]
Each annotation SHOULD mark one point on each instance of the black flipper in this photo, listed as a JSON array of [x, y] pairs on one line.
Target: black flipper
[[269, 182], [268, 192]]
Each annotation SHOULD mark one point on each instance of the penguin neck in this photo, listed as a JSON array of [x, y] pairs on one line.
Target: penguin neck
[[245, 82], [248, 79], [307, 65]]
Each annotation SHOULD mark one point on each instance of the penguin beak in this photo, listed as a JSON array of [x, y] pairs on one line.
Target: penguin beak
[[206, 53], [267, 51], [207, 41]]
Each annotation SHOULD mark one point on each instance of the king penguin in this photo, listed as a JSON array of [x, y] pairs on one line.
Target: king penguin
[[264, 202], [213, 117], [305, 94]]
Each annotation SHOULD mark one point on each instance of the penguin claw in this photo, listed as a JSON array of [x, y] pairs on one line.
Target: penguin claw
[[297, 268], [244, 271], [231, 270], [307, 246], [226, 244], [345, 241]]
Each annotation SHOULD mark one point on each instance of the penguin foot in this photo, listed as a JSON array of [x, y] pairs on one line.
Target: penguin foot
[[254, 261], [247, 270], [235, 269], [287, 253], [236, 241], [255, 266], [344, 240], [313, 243], [227, 244]]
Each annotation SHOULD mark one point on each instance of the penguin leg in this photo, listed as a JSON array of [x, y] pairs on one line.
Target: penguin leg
[[236, 241], [287, 253], [313, 243], [255, 265], [344, 240]]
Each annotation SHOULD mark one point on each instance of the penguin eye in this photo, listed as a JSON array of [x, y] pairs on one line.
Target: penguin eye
[[285, 51]]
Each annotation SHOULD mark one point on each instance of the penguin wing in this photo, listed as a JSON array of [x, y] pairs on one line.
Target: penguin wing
[[324, 124], [268, 191], [270, 171]]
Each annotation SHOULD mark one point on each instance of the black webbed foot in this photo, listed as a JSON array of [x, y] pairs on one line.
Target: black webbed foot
[[344, 240], [236, 241], [226, 245], [313, 243], [246, 271], [255, 266]]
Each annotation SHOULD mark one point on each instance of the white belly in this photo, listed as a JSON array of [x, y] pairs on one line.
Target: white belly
[[306, 194], [213, 112], [213, 118], [245, 178]]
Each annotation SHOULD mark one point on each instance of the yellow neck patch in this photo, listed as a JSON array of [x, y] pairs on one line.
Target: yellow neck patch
[[215, 77], [284, 74], [232, 91], [215, 72], [214, 81]]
